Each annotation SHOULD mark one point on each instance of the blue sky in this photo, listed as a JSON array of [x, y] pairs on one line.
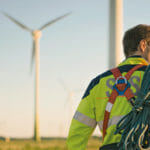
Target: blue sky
[[73, 50]]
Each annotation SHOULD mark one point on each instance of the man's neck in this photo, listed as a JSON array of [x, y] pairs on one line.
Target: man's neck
[[137, 53]]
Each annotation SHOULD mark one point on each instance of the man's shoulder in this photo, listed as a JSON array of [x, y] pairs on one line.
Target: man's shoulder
[[123, 68], [98, 78], [126, 68], [95, 81]]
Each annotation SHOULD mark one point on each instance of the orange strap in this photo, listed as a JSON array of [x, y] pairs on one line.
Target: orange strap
[[112, 99], [128, 94], [128, 75]]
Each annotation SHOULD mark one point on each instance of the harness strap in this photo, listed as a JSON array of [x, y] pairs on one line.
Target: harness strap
[[116, 72], [128, 75], [110, 103], [128, 94]]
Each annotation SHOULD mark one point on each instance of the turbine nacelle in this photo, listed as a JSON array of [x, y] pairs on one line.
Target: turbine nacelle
[[36, 34]]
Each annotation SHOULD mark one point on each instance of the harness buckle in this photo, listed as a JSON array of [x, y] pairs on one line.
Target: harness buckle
[[121, 85], [120, 79]]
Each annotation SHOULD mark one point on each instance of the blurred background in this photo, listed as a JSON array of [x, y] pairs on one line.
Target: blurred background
[[73, 51]]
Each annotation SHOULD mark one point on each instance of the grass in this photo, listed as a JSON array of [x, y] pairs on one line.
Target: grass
[[51, 144]]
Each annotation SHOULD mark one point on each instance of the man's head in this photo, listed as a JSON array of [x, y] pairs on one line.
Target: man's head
[[136, 41]]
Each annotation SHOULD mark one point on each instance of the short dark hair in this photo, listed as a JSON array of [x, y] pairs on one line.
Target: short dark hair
[[133, 36]]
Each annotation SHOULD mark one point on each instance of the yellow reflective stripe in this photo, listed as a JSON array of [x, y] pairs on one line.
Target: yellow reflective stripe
[[112, 121], [85, 119]]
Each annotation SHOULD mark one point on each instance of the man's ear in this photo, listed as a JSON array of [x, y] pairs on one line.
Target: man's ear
[[142, 45]]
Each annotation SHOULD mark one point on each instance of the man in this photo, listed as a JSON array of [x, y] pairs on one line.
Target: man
[[99, 106]]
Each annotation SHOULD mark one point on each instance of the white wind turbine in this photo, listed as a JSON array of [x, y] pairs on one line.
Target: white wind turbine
[[36, 34], [69, 100]]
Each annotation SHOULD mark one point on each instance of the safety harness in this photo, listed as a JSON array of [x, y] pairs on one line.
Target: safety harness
[[120, 88]]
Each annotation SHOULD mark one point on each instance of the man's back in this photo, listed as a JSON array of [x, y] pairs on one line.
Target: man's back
[[92, 107]]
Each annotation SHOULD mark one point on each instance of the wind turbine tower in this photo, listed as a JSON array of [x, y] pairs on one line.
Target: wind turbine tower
[[115, 32], [36, 34]]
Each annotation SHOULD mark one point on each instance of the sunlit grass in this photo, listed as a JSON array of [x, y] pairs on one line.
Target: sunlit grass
[[52, 144]]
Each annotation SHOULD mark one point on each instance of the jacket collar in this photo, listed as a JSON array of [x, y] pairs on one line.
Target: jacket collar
[[133, 60]]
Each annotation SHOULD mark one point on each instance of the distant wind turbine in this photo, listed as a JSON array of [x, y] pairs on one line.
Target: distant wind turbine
[[69, 100], [36, 34]]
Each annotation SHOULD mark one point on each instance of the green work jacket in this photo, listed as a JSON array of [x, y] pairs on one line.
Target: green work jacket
[[91, 109]]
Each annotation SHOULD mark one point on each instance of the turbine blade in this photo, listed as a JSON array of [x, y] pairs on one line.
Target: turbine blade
[[53, 21], [16, 22], [33, 56]]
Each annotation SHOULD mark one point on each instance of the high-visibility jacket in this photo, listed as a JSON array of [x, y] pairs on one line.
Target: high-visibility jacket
[[91, 109]]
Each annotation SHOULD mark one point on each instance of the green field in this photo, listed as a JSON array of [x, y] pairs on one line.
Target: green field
[[52, 144]]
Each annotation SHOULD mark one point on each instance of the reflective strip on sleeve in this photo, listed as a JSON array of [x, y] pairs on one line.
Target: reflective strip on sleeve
[[85, 119], [112, 121], [109, 107]]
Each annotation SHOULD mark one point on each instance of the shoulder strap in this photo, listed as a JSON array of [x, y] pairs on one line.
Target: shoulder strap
[[127, 93]]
